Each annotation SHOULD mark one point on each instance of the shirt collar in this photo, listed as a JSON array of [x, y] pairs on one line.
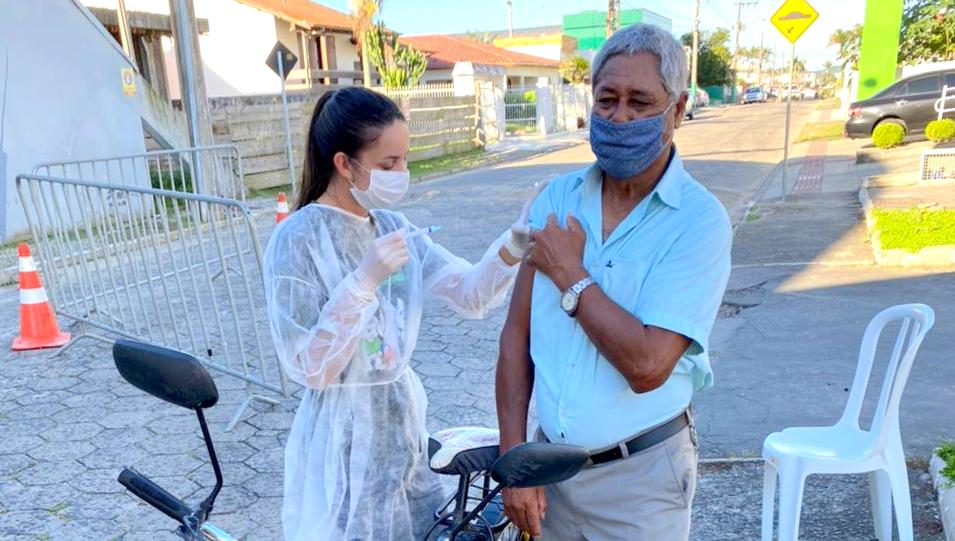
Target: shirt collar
[[670, 187]]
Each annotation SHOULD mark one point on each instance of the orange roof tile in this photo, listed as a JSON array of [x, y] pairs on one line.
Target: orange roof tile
[[444, 52], [304, 13]]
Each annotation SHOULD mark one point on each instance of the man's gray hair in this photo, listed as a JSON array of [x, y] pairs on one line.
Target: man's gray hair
[[651, 39]]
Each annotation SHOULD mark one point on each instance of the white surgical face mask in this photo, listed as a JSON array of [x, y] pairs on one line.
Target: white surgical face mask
[[385, 188]]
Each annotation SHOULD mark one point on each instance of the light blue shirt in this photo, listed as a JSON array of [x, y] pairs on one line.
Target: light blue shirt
[[667, 263]]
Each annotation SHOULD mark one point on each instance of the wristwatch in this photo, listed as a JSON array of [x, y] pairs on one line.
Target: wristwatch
[[571, 297]]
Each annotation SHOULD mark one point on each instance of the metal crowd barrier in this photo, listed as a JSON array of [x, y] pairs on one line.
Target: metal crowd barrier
[[151, 265], [937, 166], [220, 172]]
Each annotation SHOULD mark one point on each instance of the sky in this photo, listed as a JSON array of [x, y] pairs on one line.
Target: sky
[[413, 17]]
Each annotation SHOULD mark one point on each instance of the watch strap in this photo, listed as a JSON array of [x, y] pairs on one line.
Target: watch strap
[[580, 286]]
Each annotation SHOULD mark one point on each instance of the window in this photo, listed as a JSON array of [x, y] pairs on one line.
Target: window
[[923, 85], [950, 79]]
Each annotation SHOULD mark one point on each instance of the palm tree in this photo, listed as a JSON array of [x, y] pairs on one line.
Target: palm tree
[[363, 19], [575, 70], [849, 42]]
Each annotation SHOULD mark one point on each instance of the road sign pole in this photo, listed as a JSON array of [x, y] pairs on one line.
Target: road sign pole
[[792, 19], [288, 129], [789, 110]]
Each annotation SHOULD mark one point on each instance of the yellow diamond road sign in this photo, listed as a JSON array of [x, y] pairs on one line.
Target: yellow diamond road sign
[[793, 18]]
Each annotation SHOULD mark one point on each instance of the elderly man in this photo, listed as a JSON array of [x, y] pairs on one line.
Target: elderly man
[[612, 311]]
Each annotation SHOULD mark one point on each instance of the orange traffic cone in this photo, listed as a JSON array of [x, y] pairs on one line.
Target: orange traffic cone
[[38, 328], [281, 207]]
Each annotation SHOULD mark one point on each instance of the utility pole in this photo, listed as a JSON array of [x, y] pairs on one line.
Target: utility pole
[[510, 18], [694, 60], [192, 83], [612, 14], [772, 75], [739, 28], [789, 107], [759, 72]]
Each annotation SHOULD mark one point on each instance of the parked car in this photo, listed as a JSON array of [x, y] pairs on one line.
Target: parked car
[[809, 94], [754, 94], [909, 102], [702, 98]]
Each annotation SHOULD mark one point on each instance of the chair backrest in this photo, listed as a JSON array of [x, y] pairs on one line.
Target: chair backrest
[[916, 320]]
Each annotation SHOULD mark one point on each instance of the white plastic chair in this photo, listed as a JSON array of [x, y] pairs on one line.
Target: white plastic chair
[[845, 448]]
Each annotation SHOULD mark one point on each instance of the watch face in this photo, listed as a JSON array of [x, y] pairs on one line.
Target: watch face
[[568, 302]]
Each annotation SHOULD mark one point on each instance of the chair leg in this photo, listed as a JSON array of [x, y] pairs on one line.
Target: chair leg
[[899, 479], [769, 500], [791, 484], [880, 494]]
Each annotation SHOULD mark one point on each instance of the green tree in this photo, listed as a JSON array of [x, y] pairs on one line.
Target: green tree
[[828, 78], [575, 70], [849, 42], [398, 65], [713, 68], [928, 31]]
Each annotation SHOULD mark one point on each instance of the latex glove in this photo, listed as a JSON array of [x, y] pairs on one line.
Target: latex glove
[[384, 256], [516, 245]]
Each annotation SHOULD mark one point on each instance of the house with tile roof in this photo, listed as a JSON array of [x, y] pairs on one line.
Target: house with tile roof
[[450, 55], [236, 36]]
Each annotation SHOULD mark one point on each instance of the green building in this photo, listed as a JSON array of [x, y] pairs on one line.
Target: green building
[[590, 27]]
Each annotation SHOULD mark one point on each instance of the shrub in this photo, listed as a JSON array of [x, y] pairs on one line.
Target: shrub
[[888, 135], [947, 453], [940, 131], [179, 180]]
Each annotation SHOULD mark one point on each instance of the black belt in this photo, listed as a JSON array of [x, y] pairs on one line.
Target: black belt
[[642, 442]]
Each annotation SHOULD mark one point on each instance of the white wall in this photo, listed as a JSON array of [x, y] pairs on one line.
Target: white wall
[[233, 51], [531, 74], [61, 95], [436, 77], [346, 53]]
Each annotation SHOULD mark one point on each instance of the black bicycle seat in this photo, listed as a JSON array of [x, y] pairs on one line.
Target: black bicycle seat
[[176, 377], [538, 464], [464, 450]]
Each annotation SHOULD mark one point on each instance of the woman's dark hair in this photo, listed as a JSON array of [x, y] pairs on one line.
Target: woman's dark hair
[[346, 120]]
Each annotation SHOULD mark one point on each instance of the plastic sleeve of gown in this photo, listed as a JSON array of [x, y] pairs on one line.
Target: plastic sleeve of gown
[[317, 349], [470, 290]]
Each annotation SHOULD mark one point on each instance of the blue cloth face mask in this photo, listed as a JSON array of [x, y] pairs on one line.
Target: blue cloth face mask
[[625, 149]]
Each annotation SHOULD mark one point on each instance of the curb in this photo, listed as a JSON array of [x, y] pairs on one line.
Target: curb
[[930, 256], [946, 496]]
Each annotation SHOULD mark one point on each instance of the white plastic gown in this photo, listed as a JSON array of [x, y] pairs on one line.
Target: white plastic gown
[[356, 463]]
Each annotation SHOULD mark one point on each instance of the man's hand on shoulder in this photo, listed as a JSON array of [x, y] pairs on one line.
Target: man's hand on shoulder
[[559, 252]]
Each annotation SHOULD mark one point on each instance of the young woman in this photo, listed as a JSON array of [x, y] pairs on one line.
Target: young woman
[[345, 282]]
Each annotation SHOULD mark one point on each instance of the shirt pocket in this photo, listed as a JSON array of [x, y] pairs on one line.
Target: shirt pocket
[[623, 281]]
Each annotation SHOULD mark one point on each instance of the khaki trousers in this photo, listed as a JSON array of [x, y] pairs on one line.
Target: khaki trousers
[[645, 497]]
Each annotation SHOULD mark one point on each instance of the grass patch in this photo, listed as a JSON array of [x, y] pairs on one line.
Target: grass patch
[[946, 452], [814, 131], [914, 229], [445, 164], [269, 193], [754, 214]]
